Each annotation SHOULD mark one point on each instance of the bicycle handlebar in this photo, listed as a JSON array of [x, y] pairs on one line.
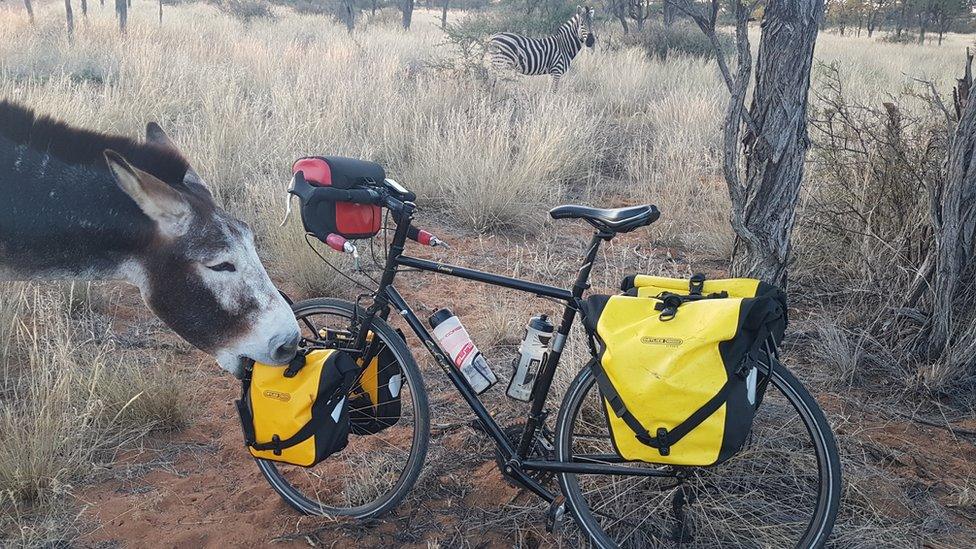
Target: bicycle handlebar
[[331, 194]]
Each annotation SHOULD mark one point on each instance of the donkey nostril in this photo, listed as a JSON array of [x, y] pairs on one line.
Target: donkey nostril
[[286, 351]]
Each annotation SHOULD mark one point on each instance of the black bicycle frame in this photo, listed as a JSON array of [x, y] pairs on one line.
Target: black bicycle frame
[[514, 456]]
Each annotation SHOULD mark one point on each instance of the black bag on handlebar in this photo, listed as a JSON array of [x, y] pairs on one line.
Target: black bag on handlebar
[[346, 219]]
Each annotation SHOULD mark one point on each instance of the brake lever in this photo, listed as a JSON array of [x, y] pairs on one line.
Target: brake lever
[[290, 193]]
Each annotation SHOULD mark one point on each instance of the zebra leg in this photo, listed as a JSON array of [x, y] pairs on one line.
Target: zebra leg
[[555, 82]]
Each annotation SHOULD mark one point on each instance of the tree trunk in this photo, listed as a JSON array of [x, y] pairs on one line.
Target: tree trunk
[[776, 142], [953, 205], [669, 12], [407, 7], [69, 17], [900, 20], [160, 13], [30, 11], [122, 10], [623, 22], [444, 14], [84, 8], [349, 15]]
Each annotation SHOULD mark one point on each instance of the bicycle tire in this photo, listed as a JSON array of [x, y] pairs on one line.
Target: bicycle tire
[[828, 462], [306, 505]]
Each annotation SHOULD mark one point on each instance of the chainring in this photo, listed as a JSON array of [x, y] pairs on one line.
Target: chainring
[[541, 449]]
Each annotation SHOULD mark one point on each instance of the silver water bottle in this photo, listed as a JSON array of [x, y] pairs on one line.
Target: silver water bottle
[[532, 354]]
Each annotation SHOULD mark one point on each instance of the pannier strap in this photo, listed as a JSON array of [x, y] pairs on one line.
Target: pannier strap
[[663, 438], [669, 302]]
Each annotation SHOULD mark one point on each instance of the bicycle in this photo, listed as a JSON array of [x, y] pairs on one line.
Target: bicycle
[[763, 497]]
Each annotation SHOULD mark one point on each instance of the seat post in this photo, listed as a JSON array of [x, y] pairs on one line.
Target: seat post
[[536, 416], [583, 276]]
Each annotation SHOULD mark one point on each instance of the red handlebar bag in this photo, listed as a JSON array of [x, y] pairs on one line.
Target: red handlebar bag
[[346, 219]]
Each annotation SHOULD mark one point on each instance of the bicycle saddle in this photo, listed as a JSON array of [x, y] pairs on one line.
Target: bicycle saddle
[[614, 220]]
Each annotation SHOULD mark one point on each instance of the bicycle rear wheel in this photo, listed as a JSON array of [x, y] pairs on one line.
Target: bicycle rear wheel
[[374, 471], [781, 490]]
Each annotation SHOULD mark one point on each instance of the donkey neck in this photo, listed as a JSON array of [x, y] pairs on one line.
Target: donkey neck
[[60, 219]]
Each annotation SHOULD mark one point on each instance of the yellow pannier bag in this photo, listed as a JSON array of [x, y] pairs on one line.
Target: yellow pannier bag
[[298, 413], [679, 375]]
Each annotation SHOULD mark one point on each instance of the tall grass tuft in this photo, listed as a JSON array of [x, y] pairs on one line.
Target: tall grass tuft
[[64, 407]]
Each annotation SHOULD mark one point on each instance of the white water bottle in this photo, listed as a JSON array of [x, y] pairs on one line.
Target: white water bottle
[[532, 354], [454, 339]]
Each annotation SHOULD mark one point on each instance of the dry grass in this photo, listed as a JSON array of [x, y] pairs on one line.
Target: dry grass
[[66, 404]]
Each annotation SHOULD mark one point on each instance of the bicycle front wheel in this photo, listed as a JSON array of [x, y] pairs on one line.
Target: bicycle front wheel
[[374, 471], [781, 490]]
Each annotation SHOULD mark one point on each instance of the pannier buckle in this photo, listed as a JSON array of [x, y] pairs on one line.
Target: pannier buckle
[[697, 284], [295, 365], [660, 442], [668, 306], [276, 440], [663, 445]]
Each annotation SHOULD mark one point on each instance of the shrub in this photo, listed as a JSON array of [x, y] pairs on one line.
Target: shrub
[[906, 37], [680, 38], [246, 10]]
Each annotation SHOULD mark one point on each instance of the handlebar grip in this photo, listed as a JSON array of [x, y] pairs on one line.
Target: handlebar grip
[[418, 235]]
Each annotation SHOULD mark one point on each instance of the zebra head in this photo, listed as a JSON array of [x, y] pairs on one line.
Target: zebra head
[[584, 28]]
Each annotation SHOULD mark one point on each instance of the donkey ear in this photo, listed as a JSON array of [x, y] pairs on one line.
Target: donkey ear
[[156, 134], [160, 202]]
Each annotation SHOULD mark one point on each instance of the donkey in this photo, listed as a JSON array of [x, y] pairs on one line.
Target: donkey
[[77, 204]]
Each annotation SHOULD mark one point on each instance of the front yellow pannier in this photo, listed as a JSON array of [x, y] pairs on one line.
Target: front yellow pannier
[[679, 374], [298, 414]]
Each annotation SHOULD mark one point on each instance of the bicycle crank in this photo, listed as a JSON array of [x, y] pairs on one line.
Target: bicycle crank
[[541, 449]]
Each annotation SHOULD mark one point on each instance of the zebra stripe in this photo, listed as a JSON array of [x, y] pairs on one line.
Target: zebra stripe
[[549, 55]]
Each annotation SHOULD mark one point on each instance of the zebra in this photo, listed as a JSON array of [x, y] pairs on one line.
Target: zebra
[[549, 55]]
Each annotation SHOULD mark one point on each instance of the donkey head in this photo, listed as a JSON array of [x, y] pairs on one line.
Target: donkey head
[[585, 28], [200, 273]]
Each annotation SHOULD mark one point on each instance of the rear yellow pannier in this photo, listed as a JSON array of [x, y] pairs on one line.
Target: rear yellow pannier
[[298, 414], [679, 374]]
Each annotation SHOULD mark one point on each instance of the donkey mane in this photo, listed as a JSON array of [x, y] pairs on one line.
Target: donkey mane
[[80, 146]]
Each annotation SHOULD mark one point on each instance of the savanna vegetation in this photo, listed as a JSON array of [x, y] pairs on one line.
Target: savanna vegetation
[[245, 87]]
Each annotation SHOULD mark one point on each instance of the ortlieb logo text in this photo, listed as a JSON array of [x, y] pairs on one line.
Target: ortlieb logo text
[[666, 341], [277, 395]]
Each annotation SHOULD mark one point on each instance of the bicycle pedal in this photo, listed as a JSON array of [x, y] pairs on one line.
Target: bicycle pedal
[[554, 517]]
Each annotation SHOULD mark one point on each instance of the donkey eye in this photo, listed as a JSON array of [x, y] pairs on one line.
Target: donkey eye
[[223, 267]]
